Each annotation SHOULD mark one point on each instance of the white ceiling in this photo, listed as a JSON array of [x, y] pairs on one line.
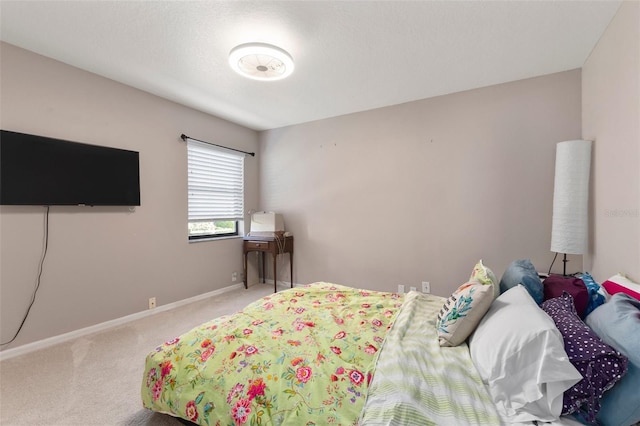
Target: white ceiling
[[350, 55]]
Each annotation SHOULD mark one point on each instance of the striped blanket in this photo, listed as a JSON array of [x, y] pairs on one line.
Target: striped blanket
[[417, 382]]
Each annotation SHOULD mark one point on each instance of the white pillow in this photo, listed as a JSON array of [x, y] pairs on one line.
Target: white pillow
[[625, 281], [621, 284], [520, 356]]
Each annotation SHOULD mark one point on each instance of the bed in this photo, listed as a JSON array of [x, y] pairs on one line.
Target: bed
[[307, 356], [330, 354]]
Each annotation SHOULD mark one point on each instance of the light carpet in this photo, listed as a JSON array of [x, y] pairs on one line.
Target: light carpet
[[96, 379]]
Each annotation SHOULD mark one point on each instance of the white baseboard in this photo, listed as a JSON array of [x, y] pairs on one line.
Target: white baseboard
[[50, 341]]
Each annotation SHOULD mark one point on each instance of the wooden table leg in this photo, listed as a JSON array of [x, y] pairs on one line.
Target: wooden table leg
[[244, 264], [275, 276], [291, 266]]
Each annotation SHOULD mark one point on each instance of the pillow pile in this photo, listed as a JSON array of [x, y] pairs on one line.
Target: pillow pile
[[522, 272], [520, 356], [600, 365], [467, 305], [617, 322]]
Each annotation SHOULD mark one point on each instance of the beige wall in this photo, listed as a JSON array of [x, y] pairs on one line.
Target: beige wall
[[421, 191], [104, 263], [397, 195], [611, 118]]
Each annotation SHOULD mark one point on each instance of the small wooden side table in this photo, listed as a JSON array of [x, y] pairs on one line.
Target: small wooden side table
[[273, 245]]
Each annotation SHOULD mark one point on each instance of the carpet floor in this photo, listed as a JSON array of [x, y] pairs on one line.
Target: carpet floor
[[95, 379]]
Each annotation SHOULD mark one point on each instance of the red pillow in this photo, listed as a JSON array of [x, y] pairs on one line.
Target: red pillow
[[555, 285], [613, 288]]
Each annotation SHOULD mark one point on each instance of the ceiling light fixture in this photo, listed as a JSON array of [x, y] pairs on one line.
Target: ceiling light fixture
[[261, 61]]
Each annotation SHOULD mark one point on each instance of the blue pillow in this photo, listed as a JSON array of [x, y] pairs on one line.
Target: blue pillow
[[620, 406], [523, 272], [596, 298], [617, 323]]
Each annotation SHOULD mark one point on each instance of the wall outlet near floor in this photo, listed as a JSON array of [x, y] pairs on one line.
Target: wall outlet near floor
[[152, 302], [412, 288], [426, 287], [400, 288], [234, 277]]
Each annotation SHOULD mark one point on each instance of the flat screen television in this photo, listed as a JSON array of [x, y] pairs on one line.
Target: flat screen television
[[37, 170]]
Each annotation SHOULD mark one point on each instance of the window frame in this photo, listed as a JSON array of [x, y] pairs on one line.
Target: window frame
[[213, 195], [201, 237]]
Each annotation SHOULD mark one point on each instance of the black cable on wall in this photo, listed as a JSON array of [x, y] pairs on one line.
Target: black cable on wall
[[40, 269]]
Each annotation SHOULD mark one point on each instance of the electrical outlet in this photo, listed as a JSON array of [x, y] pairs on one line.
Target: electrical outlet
[[400, 288], [152, 302], [426, 287], [234, 277], [412, 288]]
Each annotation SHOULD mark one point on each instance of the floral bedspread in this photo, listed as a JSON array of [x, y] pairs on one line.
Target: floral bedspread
[[299, 357]]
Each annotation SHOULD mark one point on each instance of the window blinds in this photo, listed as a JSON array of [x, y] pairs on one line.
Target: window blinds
[[216, 183]]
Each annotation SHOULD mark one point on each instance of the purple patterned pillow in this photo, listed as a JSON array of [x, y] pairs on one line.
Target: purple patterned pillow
[[601, 366]]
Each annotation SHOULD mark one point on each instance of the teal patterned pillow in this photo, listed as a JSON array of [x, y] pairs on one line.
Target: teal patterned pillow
[[462, 312], [485, 276], [596, 296]]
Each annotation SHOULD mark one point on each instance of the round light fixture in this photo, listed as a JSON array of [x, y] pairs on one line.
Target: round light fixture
[[261, 61]]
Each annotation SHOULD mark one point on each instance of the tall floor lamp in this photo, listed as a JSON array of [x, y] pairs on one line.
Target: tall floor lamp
[[570, 199]]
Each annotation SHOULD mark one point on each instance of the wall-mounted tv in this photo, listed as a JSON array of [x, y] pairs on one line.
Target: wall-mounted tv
[[37, 170]]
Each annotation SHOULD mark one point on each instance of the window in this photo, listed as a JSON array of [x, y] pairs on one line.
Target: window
[[216, 190]]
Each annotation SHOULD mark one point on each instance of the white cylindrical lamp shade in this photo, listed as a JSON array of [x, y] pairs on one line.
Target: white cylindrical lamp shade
[[570, 197]]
